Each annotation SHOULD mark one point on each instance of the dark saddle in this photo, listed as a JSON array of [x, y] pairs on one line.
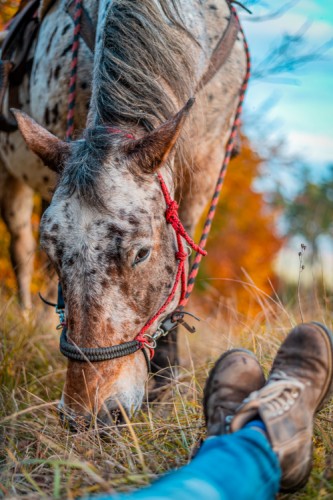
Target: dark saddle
[[16, 58], [15, 61]]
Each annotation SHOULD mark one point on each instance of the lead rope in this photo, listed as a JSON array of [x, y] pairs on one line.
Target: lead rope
[[72, 82]]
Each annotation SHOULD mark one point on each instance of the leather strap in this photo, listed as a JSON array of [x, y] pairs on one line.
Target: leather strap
[[7, 124], [5, 69], [21, 56], [14, 59], [17, 26], [88, 30], [221, 52]]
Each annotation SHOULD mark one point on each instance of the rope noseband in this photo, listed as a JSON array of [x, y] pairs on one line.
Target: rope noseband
[[143, 340]]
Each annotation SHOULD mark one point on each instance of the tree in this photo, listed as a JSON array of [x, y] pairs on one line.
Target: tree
[[309, 213]]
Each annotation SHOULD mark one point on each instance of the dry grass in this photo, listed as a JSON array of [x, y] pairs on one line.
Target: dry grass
[[39, 458]]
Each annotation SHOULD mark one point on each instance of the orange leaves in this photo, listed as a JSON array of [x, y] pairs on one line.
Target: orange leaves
[[7, 10], [6, 272], [243, 236]]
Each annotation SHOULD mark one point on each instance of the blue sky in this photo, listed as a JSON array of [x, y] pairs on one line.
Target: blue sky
[[302, 110]]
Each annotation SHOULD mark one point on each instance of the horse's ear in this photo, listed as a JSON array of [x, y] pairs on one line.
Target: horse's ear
[[47, 146], [150, 152]]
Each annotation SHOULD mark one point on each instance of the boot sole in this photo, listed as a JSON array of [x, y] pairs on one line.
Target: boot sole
[[329, 388]]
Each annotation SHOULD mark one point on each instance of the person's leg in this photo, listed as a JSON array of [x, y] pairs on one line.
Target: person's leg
[[271, 442], [239, 466]]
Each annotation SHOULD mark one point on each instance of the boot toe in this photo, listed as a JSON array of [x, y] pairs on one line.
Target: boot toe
[[234, 376]]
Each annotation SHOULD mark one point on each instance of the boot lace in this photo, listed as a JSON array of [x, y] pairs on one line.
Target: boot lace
[[279, 375], [283, 398]]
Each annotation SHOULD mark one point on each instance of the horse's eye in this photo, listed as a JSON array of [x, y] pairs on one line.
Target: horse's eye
[[142, 255]]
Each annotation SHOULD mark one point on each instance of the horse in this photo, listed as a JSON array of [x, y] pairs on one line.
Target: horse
[[138, 140]]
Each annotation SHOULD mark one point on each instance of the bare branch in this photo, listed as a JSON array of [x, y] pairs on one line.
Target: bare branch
[[287, 56], [275, 14]]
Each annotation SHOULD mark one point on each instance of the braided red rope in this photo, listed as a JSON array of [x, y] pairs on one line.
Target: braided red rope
[[74, 63], [172, 217]]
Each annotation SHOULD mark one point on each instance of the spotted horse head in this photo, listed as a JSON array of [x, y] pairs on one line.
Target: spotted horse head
[[116, 255]]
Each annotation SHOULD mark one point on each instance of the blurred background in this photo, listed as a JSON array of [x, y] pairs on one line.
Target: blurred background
[[273, 230]]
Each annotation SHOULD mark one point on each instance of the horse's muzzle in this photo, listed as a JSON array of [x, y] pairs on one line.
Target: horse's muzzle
[[106, 417]]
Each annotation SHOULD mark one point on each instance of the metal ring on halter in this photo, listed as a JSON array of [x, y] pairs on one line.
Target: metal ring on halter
[[62, 319], [160, 332], [151, 343], [190, 250]]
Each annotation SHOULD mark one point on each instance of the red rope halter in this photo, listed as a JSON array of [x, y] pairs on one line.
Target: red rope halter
[[172, 217], [171, 213]]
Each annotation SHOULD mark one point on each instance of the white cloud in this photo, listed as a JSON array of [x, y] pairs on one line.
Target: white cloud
[[311, 146]]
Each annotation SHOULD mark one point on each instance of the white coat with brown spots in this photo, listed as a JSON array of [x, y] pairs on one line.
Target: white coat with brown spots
[[105, 230]]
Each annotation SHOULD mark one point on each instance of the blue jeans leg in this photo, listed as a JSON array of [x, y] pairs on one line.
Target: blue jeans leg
[[239, 466]]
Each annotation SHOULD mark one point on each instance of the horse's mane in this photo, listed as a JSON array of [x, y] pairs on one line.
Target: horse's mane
[[143, 54]]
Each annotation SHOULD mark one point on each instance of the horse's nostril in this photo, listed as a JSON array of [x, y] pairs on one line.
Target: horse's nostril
[[72, 421], [110, 415]]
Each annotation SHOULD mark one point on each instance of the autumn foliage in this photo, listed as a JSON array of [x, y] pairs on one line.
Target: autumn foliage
[[243, 241], [7, 10]]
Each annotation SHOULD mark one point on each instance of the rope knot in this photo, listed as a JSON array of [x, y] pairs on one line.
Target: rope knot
[[146, 341], [181, 256], [141, 339], [171, 213]]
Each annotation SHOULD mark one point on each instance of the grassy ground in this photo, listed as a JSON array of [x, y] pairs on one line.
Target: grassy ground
[[39, 458]]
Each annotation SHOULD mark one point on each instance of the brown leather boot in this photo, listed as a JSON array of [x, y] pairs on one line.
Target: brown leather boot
[[299, 383], [234, 376]]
